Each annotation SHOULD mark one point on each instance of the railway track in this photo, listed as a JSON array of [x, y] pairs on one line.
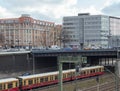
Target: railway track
[[106, 83]]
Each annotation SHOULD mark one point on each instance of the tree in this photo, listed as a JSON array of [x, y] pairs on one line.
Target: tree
[[2, 39]]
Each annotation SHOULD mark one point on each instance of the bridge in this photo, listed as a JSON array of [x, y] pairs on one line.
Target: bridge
[[105, 57], [100, 52], [38, 60]]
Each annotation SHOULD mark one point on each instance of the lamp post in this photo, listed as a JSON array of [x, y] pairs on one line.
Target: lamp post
[[117, 42], [29, 45], [109, 36], [17, 40]]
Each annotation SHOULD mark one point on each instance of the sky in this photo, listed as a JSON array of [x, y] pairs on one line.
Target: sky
[[55, 10]]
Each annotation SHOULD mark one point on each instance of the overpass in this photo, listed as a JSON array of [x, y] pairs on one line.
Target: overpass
[[100, 52], [106, 57], [41, 59]]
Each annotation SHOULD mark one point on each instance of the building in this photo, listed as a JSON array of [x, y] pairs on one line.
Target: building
[[114, 41], [57, 35], [89, 31], [26, 31]]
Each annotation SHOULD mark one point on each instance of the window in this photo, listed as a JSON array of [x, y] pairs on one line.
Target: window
[[91, 71], [100, 70], [24, 82], [4, 86], [38, 80], [30, 81], [73, 73], [35, 81], [84, 72], [56, 77], [16, 84], [0, 86], [41, 80], [46, 79], [51, 78], [64, 75], [96, 70], [68, 75], [10, 85]]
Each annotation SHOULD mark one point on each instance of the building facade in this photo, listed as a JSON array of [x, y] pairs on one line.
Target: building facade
[[114, 41], [89, 31], [26, 31]]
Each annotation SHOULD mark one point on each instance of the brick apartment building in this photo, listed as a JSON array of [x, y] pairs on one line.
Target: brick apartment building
[[26, 31]]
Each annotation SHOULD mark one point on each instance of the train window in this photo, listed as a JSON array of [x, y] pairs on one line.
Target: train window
[[35, 81], [38, 80], [88, 72], [30, 81], [46, 78], [96, 70], [100, 69], [16, 84], [10, 85], [41, 80], [93, 70], [56, 77], [51, 78], [69, 74], [0, 86], [84, 72], [64, 75], [73, 73], [24, 82], [4, 86]]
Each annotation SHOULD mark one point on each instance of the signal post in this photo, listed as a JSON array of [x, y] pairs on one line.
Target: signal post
[[77, 60]]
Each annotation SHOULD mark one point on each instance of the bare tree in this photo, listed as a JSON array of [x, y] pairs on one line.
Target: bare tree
[[2, 39], [64, 38]]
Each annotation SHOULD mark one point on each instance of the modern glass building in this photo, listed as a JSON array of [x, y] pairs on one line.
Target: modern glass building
[[89, 31]]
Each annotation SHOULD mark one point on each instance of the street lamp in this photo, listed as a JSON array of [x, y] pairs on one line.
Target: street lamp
[[17, 40], [117, 42], [29, 45], [109, 36]]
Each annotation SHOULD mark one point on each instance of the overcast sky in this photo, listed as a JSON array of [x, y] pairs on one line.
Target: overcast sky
[[55, 10]]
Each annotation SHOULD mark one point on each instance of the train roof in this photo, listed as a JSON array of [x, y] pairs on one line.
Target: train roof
[[93, 67], [8, 80], [56, 72]]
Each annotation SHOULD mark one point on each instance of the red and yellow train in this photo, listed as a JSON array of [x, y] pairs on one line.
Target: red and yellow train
[[44, 79]]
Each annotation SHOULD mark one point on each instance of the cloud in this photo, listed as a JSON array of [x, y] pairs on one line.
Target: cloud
[[5, 13], [91, 10], [52, 10], [112, 9]]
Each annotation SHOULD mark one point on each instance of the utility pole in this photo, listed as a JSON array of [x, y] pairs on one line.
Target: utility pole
[[33, 64], [97, 80], [117, 70], [67, 59]]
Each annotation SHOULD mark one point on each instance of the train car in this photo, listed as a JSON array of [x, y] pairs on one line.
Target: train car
[[91, 71], [44, 79], [9, 84], [84, 72], [37, 80]]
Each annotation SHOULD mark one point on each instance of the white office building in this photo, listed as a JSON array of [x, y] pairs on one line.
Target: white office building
[[87, 30]]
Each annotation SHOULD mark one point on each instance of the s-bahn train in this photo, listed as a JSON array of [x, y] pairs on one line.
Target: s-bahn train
[[22, 83]]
